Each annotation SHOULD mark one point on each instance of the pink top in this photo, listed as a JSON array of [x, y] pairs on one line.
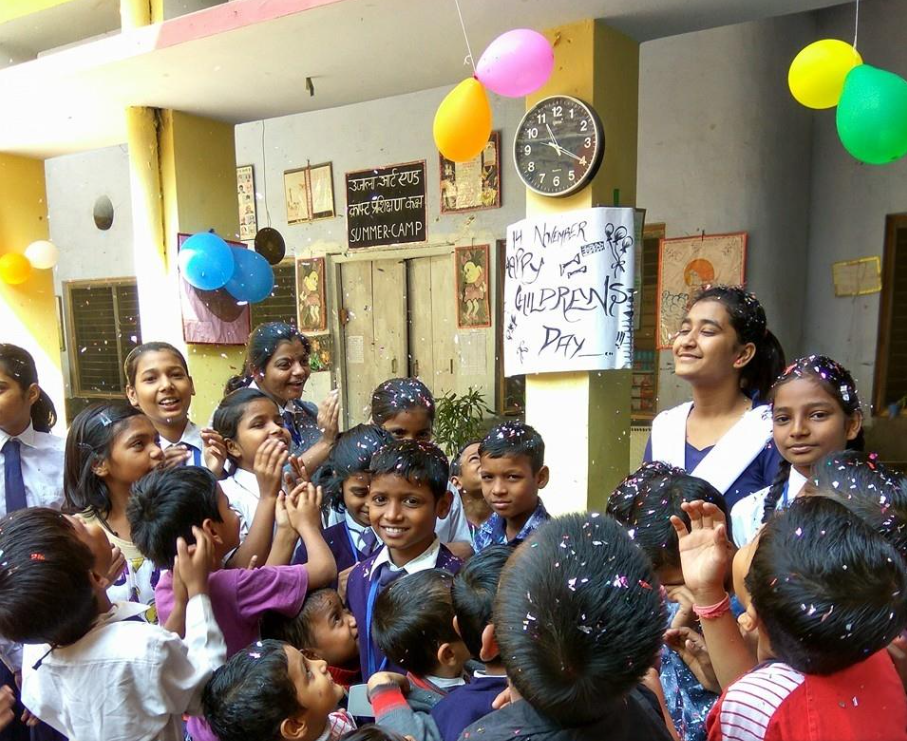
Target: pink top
[[239, 597]]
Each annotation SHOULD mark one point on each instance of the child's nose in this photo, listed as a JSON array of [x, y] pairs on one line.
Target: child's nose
[[156, 451]]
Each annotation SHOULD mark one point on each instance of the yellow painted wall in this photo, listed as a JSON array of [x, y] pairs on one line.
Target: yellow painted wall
[[28, 314], [12, 9]]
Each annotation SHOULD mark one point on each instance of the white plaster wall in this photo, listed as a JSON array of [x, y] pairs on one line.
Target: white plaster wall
[[850, 201], [373, 134], [723, 148]]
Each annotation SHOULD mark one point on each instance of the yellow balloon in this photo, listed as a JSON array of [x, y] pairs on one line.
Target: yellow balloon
[[14, 268], [816, 76], [463, 121]]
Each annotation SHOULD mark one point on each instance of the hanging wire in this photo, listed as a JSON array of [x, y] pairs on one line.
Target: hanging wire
[[856, 25], [264, 167], [472, 61]]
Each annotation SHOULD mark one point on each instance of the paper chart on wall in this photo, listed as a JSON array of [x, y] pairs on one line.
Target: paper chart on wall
[[568, 292]]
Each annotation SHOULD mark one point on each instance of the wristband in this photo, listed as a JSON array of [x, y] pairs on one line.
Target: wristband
[[719, 609]]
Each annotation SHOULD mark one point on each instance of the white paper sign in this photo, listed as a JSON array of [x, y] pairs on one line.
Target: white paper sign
[[568, 292]]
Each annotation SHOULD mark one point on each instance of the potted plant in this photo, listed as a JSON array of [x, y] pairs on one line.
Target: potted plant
[[458, 419]]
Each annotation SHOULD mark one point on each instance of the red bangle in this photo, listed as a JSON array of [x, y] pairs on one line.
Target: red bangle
[[714, 611]]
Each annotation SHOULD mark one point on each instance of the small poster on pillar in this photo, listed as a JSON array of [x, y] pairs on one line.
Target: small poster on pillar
[[568, 292]]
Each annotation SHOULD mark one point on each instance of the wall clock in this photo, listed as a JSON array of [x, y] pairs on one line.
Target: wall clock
[[558, 146]]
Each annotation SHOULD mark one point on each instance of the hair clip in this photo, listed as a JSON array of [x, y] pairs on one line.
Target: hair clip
[[37, 557], [104, 419]]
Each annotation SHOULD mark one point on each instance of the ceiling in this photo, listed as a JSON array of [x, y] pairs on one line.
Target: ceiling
[[248, 59]]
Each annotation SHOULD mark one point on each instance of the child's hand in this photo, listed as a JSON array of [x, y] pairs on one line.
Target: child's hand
[[297, 473], [379, 678], [117, 565], [342, 578], [329, 416], [7, 703], [195, 566], [281, 513], [214, 452], [180, 594], [703, 551], [308, 506], [690, 646], [683, 597], [269, 461], [175, 455]]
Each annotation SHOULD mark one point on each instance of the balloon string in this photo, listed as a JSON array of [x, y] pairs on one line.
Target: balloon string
[[856, 25], [264, 167], [472, 61]]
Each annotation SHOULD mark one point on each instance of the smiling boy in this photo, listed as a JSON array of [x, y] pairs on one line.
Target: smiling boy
[[408, 494], [512, 468]]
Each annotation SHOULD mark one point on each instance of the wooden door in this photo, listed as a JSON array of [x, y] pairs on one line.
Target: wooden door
[[433, 322], [373, 300]]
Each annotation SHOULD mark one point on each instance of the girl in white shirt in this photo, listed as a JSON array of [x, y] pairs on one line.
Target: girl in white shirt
[[110, 446], [257, 445], [31, 459], [815, 411]]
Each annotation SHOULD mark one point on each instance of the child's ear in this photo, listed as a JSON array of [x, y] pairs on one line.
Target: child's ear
[[442, 508], [131, 396], [542, 477], [456, 626], [191, 386], [490, 650], [294, 729], [447, 656], [32, 393], [458, 485], [211, 530], [854, 424], [101, 469], [746, 355], [233, 449]]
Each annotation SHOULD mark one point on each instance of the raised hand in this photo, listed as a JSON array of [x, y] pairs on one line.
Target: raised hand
[[195, 567], [306, 506], [175, 455], [214, 452], [704, 552], [269, 461], [117, 565], [329, 416], [690, 646]]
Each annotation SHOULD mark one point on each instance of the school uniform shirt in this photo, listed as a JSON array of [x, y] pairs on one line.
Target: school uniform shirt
[[436, 556], [465, 705], [344, 540], [241, 490], [239, 598], [637, 717], [41, 455], [775, 702], [747, 514], [301, 419], [125, 680], [139, 578], [339, 724], [191, 439], [494, 530]]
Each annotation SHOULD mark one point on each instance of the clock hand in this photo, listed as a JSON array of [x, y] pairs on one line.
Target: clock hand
[[569, 154], [553, 138]]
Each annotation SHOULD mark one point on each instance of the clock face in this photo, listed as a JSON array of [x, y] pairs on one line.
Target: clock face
[[558, 146]]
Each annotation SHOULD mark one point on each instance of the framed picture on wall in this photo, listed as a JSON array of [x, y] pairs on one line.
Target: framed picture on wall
[[473, 185], [473, 290], [687, 264], [311, 303], [310, 193], [245, 192], [213, 317]]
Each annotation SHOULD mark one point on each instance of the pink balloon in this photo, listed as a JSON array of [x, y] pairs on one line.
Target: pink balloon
[[516, 63]]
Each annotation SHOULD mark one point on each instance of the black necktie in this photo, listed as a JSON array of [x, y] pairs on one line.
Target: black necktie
[[13, 483]]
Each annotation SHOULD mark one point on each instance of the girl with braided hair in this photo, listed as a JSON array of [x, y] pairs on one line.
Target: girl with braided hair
[[815, 411]]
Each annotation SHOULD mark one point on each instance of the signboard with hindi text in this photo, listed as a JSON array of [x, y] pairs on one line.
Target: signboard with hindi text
[[568, 292], [386, 205]]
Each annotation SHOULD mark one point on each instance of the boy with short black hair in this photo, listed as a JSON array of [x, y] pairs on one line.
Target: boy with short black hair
[[414, 626], [326, 628], [512, 469], [270, 691], [826, 594], [473, 592], [579, 619], [103, 672], [465, 478], [170, 503], [408, 493]]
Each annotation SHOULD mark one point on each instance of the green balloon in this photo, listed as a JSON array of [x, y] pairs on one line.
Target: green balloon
[[872, 115]]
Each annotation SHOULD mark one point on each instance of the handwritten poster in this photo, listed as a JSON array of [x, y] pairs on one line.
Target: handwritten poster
[[568, 292], [689, 264], [386, 205]]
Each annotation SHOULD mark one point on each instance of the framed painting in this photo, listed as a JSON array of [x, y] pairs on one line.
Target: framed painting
[[213, 317], [473, 185], [322, 356], [296, 188], [321, 191], [245, 193], [473, 302], [689, 264], [311, 303]]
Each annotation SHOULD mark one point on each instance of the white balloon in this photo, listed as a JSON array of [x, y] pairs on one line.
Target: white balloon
[[42, 254]]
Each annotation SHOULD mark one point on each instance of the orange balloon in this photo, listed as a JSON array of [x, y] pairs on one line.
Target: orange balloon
[[14, 268], [463, 121]]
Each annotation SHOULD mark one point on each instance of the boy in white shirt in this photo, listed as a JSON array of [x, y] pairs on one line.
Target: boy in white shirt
[[102, 672]]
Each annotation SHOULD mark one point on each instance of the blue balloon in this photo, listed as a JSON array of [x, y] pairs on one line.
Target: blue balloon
[[206, 261], [253, 279]]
